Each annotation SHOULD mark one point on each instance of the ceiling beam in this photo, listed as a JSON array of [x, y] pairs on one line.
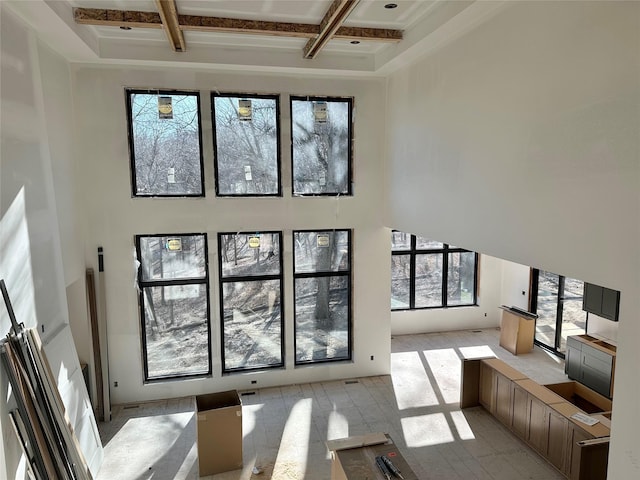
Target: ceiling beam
[[169, 15], [332, 21], [130, 18]]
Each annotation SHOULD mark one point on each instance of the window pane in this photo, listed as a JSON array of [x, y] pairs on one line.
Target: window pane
[[165, 143], [250, 254], [547, 308], [428, 280], [426, 244], [176, 330], [400, 281], [322, 318], [461, 278], [252, 324], [321, 143], [321, 251], [246, 145], [172, 257], [574, 319], [400, 241]]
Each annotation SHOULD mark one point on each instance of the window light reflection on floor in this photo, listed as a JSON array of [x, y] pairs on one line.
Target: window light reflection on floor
[[444, 365], [291, 461], [410, 381], [462, 426], [426, 430]]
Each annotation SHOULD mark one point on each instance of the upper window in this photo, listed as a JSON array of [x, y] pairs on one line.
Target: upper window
[[322, 289], [165, 143], [174, 305], [246, 144], [321, 145], [430, 274], [251, 300]]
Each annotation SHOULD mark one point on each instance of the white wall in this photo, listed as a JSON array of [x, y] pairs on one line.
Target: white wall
[[35, 125], [114, 218], [523, 136]]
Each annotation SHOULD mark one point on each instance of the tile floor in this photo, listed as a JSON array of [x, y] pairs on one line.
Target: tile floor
[[285, 428]]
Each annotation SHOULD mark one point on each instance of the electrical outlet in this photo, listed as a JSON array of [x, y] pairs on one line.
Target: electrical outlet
[[253, 382], [371, 357], [115, 384]]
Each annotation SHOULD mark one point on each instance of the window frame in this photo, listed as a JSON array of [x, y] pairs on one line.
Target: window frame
[[271, 96], [142, 284], [245, 278], [350, 127], [338, 273], [128, 92], [412, 252]]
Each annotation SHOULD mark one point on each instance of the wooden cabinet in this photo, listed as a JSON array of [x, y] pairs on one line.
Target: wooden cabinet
[[601, 301], [557, 441], [589, 363], [519, 416], [516, 331]]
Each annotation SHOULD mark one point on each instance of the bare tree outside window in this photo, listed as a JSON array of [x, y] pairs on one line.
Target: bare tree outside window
[[246, 144], [165, 143], [430, 274], [174, 305], [321, 145], [322, 278], [251, 300]]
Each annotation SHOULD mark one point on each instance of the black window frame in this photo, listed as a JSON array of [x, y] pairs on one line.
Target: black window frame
[[339, 273], [272, 96], [316, 98], [445, 250], [142, 284], [132, 156], [244, 278]]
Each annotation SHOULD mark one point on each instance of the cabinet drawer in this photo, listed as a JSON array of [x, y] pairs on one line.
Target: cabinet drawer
[[594, 352], [597, 362]]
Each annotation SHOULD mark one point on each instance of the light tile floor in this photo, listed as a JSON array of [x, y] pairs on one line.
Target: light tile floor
[[285, 428]]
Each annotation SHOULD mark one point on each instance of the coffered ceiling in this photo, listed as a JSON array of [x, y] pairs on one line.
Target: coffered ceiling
[[337, 36]]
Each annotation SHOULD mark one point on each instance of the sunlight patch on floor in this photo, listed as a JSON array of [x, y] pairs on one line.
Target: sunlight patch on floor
[[426, 430], [410, 381], [291, 461], [337, 426], [462, 426], [445, 367]]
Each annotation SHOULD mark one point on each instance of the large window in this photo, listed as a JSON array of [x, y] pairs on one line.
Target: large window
[[321, 145], [557, 300], [174, 305], [246, 144], [322, 284], [251, 300], [165, 143], [430, 274]]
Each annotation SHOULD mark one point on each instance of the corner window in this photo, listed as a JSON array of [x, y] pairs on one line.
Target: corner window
[[246, 144], [251, 300], [321, 145], [322, 286], [165, 143], [174, 305], [430, 274]]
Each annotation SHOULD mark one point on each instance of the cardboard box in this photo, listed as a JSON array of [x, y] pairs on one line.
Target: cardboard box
[[219, 432], [353, 458]]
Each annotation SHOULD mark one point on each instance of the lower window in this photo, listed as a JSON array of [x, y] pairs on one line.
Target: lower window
[[251, 300], [322, 278], [174, 305]]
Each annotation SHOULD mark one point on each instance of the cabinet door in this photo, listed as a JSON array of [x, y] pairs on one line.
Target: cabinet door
[[572, 362], [596, 369], [487, 392], [519, 415], [575, 435], [504, 387], [592, 299], [610, 303], [557, 443], [538, 425]]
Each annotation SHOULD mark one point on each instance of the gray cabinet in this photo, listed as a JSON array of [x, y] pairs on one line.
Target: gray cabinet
[[601, 301], [589, 365]]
